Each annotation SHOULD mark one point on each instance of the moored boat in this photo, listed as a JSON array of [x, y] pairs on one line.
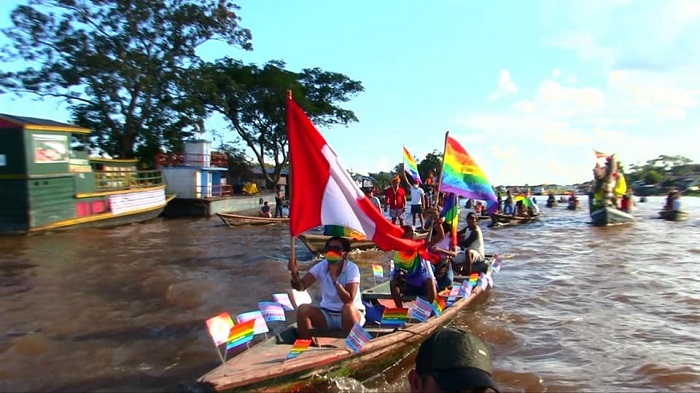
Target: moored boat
[[610, 215], [264, 367], [316, 242], [501, 220], [673, 215], [234, 220], [50, 182]]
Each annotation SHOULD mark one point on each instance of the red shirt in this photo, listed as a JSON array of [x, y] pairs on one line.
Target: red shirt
[[395, 199]]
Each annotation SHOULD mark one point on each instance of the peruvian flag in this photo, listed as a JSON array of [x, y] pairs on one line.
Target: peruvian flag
[[323, 193]]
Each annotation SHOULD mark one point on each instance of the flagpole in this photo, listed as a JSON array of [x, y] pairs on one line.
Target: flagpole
[[292, 263], [439, 185]]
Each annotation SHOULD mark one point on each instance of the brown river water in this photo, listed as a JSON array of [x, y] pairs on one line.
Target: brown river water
[[576, 308]]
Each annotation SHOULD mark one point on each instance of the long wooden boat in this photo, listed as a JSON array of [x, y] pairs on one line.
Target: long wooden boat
[[501, 220], [673, 215], [50, 182], [264, 366], [316, 242], [610, 215], [234, 220]]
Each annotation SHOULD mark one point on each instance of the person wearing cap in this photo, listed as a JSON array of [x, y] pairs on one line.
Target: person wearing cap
[[395, 197], [452, 360]]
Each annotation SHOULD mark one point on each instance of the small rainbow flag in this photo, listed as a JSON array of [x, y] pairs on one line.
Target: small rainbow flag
[[461, 175], [409, 261], [339, 230], [395, 316], [410, 166], [526, 201], [377, 270], [439, 305], [300, 345], [219, 326], [240, 334], [473, 279]]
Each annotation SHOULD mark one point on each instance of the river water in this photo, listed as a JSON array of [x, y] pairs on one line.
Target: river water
[[576, 308]]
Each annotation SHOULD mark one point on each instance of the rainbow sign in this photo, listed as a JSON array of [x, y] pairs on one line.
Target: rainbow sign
[[299, 347]]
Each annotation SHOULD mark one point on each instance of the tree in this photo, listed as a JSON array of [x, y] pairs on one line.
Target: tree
[[119, 64], [253, 99], [382, 179], [431, 163], [652, 177]]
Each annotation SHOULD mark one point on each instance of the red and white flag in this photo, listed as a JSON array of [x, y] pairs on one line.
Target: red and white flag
[[323, 193]]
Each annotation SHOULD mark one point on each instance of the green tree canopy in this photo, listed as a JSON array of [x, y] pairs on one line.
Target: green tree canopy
[[652, 177], [253, 100], [119, 64]]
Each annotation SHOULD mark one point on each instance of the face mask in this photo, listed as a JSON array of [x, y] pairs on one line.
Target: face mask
[[334, 256]]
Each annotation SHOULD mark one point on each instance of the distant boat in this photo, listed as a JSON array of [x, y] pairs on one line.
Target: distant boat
[[673, 215], [609, 215], [50, 182], [610, 185], [234, 220]]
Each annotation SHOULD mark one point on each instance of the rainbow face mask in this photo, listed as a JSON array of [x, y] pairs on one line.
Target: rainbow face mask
[[334, 256]]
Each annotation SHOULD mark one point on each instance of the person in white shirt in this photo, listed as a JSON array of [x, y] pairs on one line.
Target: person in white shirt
[[417, 202], [341, 303], [374, 199], [473, 245]]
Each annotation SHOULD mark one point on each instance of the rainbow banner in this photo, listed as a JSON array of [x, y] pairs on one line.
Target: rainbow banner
[[219, 326], [439, 305], [450, 211], [240, 334], [409, 261], [473, 278], [357, 338], [395, 316], [256, 316], [461, 175], [283, 299], [421, 310], [272, 311], [300, 345], [410, 166], [377, 271]]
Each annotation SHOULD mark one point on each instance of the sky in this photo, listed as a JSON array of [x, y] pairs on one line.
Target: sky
[[529, 88]]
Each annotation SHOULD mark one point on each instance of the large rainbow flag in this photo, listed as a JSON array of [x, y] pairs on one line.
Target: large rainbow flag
[[461, 175], [410, 166], [526, 201], [409, 261]]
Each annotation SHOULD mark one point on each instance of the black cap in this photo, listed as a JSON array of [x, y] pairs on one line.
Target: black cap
[[456, 359]]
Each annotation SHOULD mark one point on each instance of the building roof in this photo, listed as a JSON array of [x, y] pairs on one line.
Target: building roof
[[35, 123]]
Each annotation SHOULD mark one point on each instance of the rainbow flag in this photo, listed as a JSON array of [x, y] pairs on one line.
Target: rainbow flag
[[526, 201], [240, 334], [219, 327], [473, 279], [395, 316], [339, 230], [409, 261], [439, 305], [410, 166], [377, 271], [461, 175], [450, 210], [300, 345], [599, 154]]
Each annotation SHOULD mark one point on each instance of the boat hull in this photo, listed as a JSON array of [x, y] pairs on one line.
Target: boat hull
[[263, 367], [610, 215], [234, 220], [674, 215]]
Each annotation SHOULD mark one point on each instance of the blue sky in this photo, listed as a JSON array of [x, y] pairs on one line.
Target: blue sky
[[529, 88]]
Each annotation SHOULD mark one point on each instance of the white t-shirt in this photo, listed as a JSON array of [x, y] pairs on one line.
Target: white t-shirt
[[329, 295], [417, 195], [478, 244], [676, 204]]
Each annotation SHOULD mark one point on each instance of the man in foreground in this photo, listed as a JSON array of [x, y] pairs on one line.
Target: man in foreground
[[452, 360]]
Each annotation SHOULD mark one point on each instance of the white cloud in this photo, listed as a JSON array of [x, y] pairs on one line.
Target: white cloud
[[654, 93], [525, 106], [506, 86]]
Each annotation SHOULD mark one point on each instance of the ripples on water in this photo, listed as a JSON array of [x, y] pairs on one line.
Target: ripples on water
[[576, 309]]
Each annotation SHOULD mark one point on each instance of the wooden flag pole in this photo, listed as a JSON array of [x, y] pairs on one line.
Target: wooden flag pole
[[439, 185], [292, 263]]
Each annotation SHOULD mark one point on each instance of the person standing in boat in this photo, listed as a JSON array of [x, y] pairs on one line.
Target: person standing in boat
[[395, 197], [372, 194], [473, 245], [417, 203], [341, 304], [508, 204], [452, 360], [279, 201]]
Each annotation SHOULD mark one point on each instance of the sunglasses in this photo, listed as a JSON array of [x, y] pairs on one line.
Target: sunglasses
[[337, 249]]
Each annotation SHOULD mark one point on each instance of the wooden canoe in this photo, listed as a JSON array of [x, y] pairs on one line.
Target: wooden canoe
[[673, 215], [264, 366], [501, 220], [316, 242], [234, 220], [610, 215]]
